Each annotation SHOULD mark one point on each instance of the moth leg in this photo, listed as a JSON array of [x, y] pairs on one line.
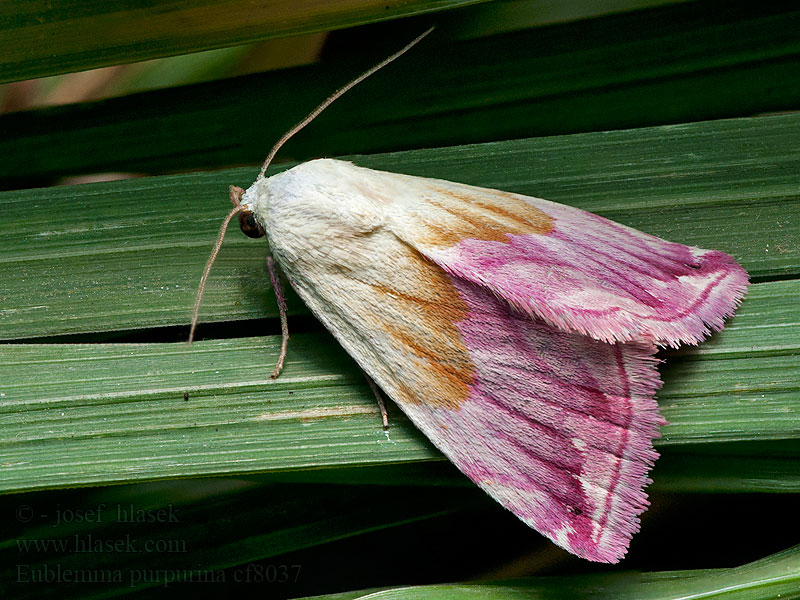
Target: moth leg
[[277, 285], [379, 398]]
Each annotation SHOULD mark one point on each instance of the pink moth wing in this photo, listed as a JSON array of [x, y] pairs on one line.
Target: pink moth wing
[[517, 334], [574, 269]]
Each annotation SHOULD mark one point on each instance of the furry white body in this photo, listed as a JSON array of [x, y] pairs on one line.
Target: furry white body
[[326, 227]]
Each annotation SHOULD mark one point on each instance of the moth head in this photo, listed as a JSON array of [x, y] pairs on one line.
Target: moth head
[[247, 219], [250, 227]]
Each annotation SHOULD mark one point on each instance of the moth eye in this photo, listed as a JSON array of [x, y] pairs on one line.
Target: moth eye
[[249, 225]]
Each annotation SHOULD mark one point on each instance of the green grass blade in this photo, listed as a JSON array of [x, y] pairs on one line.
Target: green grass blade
[[776, 576], [746, 467], [544, 81], [128, 254], [40, 39], [89, 413]]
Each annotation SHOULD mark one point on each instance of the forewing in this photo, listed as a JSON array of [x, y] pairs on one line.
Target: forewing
[[578, 271], [555, 426]]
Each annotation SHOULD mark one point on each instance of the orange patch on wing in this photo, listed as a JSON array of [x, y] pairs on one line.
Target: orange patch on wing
[[433, 306], [488, 216]]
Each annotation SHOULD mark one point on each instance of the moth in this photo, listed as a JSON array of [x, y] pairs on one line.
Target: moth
[[518, 334]]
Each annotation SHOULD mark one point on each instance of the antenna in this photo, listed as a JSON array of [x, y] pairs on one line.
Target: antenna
[[236, 209], [335, 96]]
